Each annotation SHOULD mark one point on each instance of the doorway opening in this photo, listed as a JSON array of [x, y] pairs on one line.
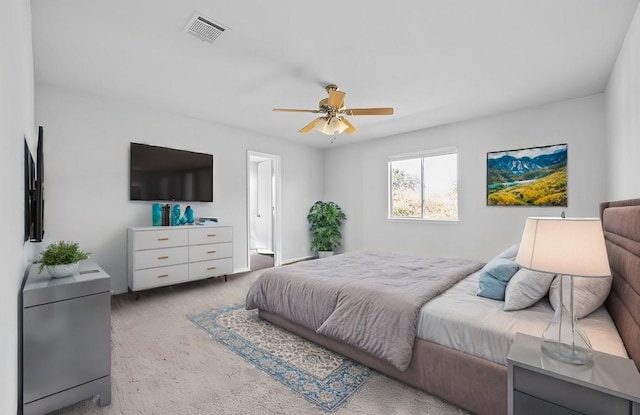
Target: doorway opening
[[263, 210]]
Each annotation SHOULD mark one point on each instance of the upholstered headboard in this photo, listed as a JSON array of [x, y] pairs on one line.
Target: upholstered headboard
[[621, 225]]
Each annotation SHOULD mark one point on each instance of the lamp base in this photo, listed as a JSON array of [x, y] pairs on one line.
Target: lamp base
[[567, 353], [563, 339]]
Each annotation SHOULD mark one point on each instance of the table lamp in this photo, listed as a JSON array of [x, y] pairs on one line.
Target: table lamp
[[566, 247]]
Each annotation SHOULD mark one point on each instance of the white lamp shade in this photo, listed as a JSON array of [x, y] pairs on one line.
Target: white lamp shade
[[331, 126], [571, 246]]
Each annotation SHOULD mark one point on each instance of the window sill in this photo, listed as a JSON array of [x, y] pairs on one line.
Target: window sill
[[420, 220]]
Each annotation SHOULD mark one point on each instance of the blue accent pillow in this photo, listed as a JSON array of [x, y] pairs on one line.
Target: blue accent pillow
[[494, 277], [510, 253]]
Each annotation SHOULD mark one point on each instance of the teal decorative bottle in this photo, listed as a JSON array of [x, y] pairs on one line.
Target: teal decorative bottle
[[175, 215], [156, 214], [188, 213]]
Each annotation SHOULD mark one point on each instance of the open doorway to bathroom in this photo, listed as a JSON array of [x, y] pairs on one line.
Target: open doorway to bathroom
[[263, 221]]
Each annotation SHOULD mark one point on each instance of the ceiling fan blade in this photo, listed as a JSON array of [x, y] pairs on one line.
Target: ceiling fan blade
[[293, 110], [310, 126], [352, 129], [369, 111], [336, 98]]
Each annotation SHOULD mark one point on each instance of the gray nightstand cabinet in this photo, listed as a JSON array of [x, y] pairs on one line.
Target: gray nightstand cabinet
[[66, 339], [541, 385]]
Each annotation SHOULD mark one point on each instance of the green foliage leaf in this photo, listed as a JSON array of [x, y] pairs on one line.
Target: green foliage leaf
[[61, 252], [325, 220], [401, 180]]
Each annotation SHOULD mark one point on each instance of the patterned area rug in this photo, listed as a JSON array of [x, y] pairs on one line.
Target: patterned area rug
[[323, 377]]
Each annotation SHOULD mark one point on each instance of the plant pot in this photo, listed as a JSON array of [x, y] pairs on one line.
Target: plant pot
[[324, 254], [62, 270]]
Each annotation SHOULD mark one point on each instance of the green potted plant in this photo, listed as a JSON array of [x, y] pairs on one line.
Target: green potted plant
[[62, 258], [325, 219]]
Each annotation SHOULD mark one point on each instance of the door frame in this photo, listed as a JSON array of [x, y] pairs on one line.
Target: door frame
[[277, 200]]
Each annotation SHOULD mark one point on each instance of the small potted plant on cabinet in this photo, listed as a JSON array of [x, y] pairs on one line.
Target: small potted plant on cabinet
[[325, 219], [62, 259]]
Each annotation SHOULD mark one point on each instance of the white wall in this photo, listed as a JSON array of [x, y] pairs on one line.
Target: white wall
[[87, 175], [623, 118], [16, 123], [356, 179]]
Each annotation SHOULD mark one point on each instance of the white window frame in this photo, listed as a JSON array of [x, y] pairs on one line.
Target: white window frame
[[419, 155]]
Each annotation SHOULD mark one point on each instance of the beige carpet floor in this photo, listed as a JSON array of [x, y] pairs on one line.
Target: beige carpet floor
[[163, 364]]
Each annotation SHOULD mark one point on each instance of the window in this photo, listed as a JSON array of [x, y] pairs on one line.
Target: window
[[424, 185]]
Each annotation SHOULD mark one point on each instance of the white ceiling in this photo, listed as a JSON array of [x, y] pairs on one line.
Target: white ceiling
[[434, 61]]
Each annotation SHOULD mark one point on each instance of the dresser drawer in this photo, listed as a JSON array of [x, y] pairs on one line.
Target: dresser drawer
[[162, 238], [210, 234], [212, 251], [160, 257], [156, 277], [206, 269]]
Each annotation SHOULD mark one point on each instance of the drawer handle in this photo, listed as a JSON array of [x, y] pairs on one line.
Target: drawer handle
[[210, 268], [163, 276], [211, 235], [163, 239], [163, 257], [211, 252]]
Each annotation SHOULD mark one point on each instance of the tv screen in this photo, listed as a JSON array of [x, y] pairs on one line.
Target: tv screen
[[166, 174]]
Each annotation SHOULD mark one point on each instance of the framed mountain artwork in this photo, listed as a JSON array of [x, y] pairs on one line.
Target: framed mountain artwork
[[534, 176]]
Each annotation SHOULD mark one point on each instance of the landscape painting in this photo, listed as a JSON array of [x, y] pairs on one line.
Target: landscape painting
[[528, 177]]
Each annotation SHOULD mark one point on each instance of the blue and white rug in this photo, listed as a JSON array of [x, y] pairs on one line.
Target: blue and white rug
[[323, 377]]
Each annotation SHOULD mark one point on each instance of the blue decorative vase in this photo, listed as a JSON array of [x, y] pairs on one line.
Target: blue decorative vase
[[188, 213], [175, 215], [156, 214]]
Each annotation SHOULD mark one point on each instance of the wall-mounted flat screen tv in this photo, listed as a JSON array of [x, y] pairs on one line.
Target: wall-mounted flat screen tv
[[34, 191], [166, 174]]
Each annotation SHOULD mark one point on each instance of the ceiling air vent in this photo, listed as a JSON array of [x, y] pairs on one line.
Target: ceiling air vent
[[204, 28]]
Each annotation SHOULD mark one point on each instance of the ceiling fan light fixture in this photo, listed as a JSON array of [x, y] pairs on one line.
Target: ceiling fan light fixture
[[331, 126], [333, 121]]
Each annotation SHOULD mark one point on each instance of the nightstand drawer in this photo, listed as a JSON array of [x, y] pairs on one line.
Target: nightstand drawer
[[570, 395], [524, 404]]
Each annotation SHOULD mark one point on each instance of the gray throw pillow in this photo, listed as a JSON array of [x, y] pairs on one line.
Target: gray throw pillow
[[588, 294]]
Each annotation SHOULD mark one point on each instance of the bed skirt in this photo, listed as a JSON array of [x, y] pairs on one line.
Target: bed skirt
[[467, 381]]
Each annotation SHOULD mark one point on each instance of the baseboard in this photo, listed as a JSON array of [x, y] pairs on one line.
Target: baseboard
[[239, 270]]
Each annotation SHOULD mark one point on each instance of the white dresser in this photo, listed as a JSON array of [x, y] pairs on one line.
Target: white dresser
[[166, 255]]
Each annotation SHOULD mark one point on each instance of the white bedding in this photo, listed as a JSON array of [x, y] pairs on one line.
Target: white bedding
[[461, 320]]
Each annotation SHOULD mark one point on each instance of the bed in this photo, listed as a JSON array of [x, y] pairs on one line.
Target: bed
[[464, 372]]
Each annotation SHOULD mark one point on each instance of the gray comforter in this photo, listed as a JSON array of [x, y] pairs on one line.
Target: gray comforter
[[370, 300]]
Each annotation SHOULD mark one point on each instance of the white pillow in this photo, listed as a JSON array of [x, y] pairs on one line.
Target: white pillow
[[510, 253], [588, 294], [526, 288]]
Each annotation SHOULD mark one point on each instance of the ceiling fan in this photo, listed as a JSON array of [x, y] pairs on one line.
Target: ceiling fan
[[334, 121]]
